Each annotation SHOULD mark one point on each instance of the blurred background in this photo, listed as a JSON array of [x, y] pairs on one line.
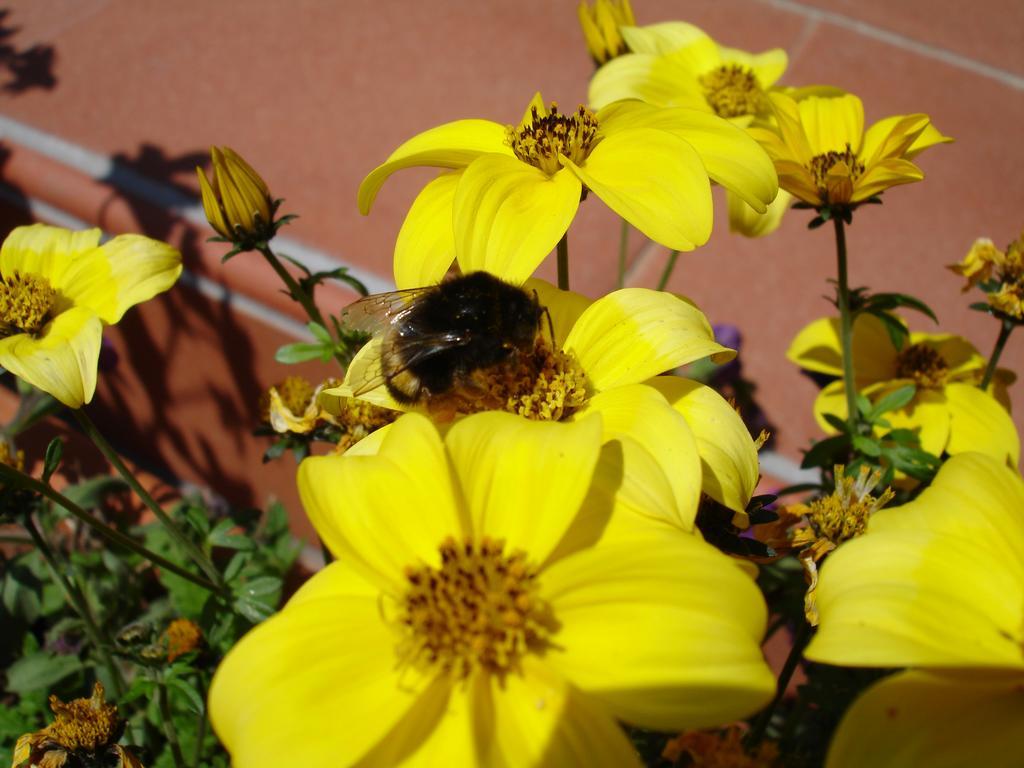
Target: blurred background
[[109, 105]]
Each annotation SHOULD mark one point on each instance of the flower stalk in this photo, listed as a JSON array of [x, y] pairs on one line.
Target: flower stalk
[[997, 351], [194, 552], [845, 322], [563, 262], [74, 596], [669, 268], [169, 731], [21, 480], [623, 252]]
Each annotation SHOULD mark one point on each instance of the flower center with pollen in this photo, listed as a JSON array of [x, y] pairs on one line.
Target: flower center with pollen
[[844, 513], [546, 384], [85, 724], [922, 364], [732, 90], [478, 610], [25, 303], [549, 134], [822, 165]]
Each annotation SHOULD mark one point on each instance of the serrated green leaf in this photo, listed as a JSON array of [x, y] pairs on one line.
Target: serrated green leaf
[[863, 405], [259, 587], [253, 610]]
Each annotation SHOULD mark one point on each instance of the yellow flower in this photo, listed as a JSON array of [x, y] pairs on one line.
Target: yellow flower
[[824, 157], [829, 521], [57, 290], [491, 604], [936, 585], [181, 636], [675, 64], [984, 263], [514, 190], [83, 732], [237, 204], [600, 23], [949, 412], [607, 359]]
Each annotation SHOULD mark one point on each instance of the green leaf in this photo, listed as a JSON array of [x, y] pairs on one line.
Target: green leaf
[[260, 587], [893, 401], [825, 453], [193, 700], [320, 333], [219, 537], [300, 352], [867, 446], [40, 672], [90, 493], [51, 460], [840, 424], [253, 610], [886, 301], [893, 326]]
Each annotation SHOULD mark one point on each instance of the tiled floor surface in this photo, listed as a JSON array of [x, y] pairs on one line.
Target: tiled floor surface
[[109, 105]]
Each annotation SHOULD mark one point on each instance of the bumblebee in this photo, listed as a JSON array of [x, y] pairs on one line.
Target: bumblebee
[[434, 339]]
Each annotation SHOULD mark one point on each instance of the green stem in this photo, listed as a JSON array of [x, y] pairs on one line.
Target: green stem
[[197, 753], [845, 324], [21, 480], [80, 605], [623, 253], [563, 262], [190, 547], [997, 350], [669, 267], [168, 723], [298, 294], [800, 640]]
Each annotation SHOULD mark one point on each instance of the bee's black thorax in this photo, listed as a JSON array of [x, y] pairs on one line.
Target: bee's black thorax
[[485, 321]]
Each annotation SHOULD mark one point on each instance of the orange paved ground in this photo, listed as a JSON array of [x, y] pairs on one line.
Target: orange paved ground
[[109, 104]]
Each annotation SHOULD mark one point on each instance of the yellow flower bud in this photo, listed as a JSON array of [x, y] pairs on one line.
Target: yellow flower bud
[[237, 202], [601, 23]]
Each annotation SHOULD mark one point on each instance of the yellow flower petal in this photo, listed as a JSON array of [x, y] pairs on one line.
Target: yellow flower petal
[[510, 215], [727, 454], [334, 649], [979, 423], [653, 180], [892, 136], [140, 268], [767, 66], [665, 37], [817, 348], [938, 720], [792, 141], [63, 360], [640, 413], [831, 124], [973, 497], [565, 307], [632, 334], [40, 249], [370, 509], [673, 614], [523, 481], [364, 376], [885, 174], [540, 720], [746, 221], [452, 145], [426, 243], [946, 582], [652, 79], [730, 156]]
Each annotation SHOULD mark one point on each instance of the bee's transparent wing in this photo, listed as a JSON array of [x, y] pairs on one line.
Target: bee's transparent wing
[[383, 357], [373, 314]]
